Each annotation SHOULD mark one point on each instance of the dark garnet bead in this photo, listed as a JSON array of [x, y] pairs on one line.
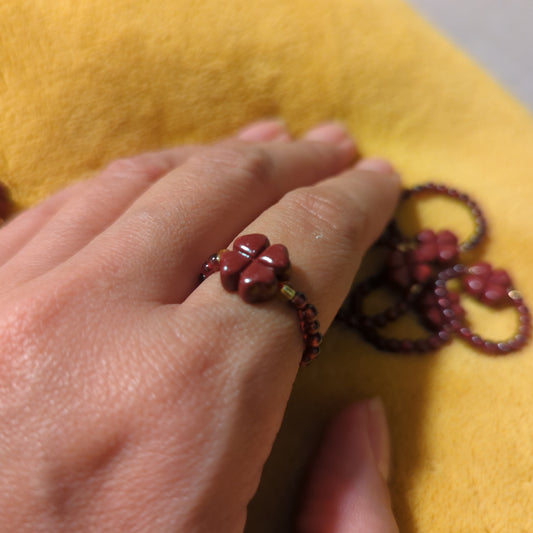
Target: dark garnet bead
[[525, 330], [444, 336], [6, 204], [490, 347], [434, 341], [524, 319], [310, 311], [466, 333], [523, 310], [314, 340], [519, 340], [380, 320], [448, 313], [392, 345], [440, 292], [211, 265], [515, 345], [504, 347], [455, 324], [312, 327], [310, 353], [406, 345], [421, 346], [299, 300], [391, 313], [476, 340], [354, 321]]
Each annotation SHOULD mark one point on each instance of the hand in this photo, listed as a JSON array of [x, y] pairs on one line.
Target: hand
[[135, 400]]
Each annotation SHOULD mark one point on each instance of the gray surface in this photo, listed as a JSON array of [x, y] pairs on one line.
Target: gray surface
[[498, 34]]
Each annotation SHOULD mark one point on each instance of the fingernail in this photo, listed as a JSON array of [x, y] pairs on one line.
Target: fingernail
[[265, 130], [378, 435], [333, 133], [375, 164], [329, 132]]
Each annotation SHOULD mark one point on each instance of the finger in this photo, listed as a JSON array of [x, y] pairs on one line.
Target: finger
[[246, 355], [328, 227], [347, 490], [265, 130], [71, 223], [204, 203], [80, 217], [18, 231]]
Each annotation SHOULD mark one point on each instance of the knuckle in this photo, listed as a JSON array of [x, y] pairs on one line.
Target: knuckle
[[143, 166], [244, 161], [333, 212]]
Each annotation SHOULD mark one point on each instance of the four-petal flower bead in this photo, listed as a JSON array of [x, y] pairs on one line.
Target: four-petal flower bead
[[419, 264], [254, 268]]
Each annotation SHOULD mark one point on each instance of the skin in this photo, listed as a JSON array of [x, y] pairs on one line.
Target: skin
[[133, 400]]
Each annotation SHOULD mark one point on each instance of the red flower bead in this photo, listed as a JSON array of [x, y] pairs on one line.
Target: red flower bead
[[441, 247], [437, 310], [418, 265], [254, 268], [490, 286]]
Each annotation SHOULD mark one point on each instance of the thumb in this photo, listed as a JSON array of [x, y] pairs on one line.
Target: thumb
[[347, 490]]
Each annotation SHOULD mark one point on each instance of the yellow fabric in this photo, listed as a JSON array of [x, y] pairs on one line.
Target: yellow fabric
[[84, 82]]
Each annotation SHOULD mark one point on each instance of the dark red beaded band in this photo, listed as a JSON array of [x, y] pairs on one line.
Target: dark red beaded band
[[477, 215], [258, 271], [417, 270], [6, 203]]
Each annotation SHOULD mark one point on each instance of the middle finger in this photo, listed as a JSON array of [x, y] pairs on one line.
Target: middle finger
[[203, 204]]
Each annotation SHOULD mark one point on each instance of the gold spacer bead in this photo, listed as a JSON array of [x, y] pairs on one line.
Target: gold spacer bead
[[287, 291], [220, 252], [514, 294]]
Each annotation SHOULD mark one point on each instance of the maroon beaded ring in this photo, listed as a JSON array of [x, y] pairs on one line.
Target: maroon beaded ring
[[417, 271], [259, 271]]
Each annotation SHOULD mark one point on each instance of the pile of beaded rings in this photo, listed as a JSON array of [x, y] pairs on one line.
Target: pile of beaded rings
[[418, 270], [258, 271]]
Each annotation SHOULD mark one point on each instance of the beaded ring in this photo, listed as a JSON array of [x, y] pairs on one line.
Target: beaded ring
[[6, 204], [258, 271], [417, 271]]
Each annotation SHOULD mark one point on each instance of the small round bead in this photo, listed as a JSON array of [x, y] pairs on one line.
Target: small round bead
[[314, 340], [310, 311], [391, 313], [443, 302], [434, 341], [490, 347], [504, 347], [444, 336], [308, 355], [459, 269], [312, 327], [476, 340], [466, 333], [354, 321], [299, 301], [524, 319], [421, 346], [440, 292], [524, 329], [455, 324], [402, 307], [406, 345], [392, 345], [449, 313], [522, 339], [379, 320]]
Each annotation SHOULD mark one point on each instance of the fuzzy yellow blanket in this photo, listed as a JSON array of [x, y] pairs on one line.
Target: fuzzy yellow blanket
[[84, 82]]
